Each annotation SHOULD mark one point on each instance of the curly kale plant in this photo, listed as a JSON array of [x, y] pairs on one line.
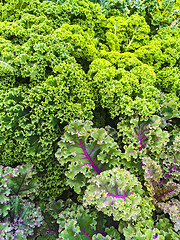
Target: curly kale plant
[[125, 83], [153, 148], [88, 151], [76, 222], [171, 160], [66, 59], [147, 229], [173, 209], [19, 216], [157, 13], [5, 174], [32, 120], [142, 137], [23, 217], [7, 232], [112, 189], [153, 176], [118, 193], [143, 230], [161, 191]]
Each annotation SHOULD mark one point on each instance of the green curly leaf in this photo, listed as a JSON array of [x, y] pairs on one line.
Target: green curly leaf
[[117, 193], [89, 151]]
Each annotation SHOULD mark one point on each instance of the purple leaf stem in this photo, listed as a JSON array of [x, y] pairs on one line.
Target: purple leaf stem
[[170, 170], [105, 199], [143, 137], [82, 166], [177, 170], [116, 188], [98, 162], [99, 189], [21, 184], [162, 181], [139, 137], [147, 142], [143, 145], [103, 164], [151, 148], [156, 235], [88, 157], [84, 226], [143, 131], [86, 234], [113, 195], [97, 166], [148, 151], [49, 230], [102, 167], [117, 196], [156, 139], [93, 148], [173, 168]]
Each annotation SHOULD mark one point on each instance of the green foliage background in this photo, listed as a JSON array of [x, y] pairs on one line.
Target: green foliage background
[[103, 61]]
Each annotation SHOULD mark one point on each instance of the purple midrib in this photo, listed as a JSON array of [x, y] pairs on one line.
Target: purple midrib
[[88, 157]]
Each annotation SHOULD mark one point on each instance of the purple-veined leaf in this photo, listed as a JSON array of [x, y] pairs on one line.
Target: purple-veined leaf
[[173, 209], [118, 193], [158, 190], [142, 138], [87, 150], [26, 183]]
